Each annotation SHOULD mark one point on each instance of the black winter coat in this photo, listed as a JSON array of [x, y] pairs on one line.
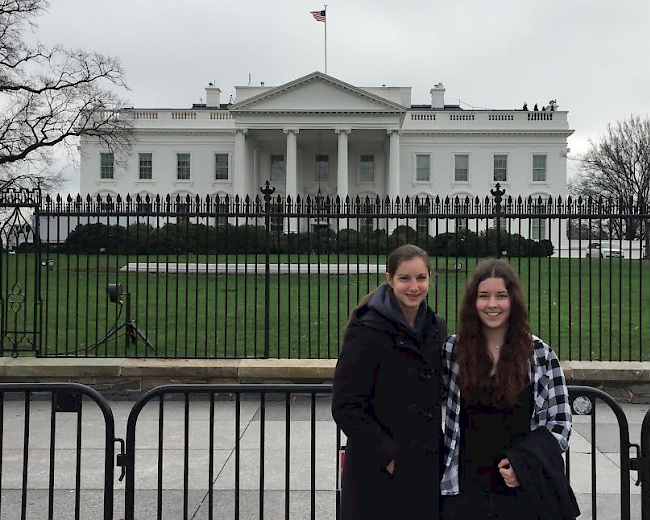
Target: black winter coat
[[386, 400], [537, 461]]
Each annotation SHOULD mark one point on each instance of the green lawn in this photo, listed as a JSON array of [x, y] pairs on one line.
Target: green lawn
[[586, 309]]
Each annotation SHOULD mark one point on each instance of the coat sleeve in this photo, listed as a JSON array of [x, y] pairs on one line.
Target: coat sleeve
[[559, 411], [353, 392], [446, 368]]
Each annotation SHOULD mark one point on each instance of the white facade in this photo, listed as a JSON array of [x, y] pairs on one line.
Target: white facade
[[319, 133]]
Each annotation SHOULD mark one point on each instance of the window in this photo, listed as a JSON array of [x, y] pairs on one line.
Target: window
[[539, 168], [461, 168], [221, 166], [183, 166], [146, 165], [461, 204], [182, 206], [367, 168], [107, 166], [221, 219], [500, 168], [278, 171], [366, 225], [144, 207], [320, 225], [422, 168], [276, 221], [422, 224], [367, 206], [501, 223], [143, 203], [538, 229], [322, 168]]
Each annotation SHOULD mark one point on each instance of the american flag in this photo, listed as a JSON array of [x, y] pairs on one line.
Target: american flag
[[319, 16]]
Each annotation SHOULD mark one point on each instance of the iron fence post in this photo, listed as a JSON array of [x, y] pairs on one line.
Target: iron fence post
[[267, 191], [38, 325], [497, 193]]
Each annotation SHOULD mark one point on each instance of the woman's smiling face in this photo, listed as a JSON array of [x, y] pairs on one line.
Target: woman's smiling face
[[493, 304], [410, 285]]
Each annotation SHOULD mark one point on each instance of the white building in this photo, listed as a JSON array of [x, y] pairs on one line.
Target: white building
[[320, 133]]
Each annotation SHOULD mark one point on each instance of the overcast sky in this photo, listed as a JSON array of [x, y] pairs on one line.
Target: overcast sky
[[588, 55]]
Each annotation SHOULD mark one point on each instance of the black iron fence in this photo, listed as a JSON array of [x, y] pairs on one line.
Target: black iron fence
[[242, 452], [210, 277]]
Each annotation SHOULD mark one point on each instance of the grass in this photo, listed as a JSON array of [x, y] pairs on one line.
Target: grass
[[587, 309]]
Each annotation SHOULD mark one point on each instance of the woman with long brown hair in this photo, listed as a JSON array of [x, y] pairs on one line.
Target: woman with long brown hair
[[506, 400], [386, 396]]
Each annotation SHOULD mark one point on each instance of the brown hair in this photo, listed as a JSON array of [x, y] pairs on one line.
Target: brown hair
[[474, 360], [401, 254]]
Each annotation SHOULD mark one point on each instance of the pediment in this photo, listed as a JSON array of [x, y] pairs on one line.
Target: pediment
[[316, 93]]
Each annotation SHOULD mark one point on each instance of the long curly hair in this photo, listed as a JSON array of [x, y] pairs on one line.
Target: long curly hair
[[474, 360]]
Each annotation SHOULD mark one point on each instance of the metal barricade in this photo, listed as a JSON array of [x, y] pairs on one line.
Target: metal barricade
[[239, 451], [52, 460], [585, 403]]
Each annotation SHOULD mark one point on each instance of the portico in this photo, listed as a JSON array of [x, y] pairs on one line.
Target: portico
[[350, 139]]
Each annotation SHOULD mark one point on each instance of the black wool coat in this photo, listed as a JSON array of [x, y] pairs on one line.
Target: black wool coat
[[538, 464], [386, 400]]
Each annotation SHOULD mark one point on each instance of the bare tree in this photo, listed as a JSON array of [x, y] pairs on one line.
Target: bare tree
[[618, 167], [50, 96]]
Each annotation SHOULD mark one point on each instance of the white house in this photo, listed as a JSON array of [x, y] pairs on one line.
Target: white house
[[318, 133]]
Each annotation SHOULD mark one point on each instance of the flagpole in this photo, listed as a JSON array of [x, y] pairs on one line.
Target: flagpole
[[325, 10]]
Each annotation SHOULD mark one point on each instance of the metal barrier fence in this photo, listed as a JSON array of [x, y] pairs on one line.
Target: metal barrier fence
[[239, 451], [588, 403], [56, 452], [271, 277], [267, 451]]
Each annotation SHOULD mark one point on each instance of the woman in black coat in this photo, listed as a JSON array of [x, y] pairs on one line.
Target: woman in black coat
[[386, 397]]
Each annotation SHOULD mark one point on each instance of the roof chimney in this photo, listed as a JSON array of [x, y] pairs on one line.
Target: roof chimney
[[212, 96], [438, 96]]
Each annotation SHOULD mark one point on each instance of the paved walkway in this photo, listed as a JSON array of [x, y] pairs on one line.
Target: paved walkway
[[225, 463]]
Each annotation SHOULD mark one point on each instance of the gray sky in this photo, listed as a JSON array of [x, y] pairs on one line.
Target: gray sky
[[589, 55]]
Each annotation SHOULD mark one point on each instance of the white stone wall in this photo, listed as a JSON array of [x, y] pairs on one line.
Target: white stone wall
[[202, 149], [163, 148]]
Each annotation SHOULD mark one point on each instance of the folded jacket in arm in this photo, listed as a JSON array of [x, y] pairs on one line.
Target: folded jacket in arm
[[539, 467]]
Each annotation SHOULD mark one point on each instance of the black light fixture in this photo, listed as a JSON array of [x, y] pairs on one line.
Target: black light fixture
[[118, 296], [115, 292]]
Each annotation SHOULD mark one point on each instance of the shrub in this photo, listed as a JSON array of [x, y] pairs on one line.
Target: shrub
[[186, 237]]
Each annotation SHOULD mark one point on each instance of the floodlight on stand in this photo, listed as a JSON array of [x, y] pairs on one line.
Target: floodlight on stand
[[115, 292], [117, 295]]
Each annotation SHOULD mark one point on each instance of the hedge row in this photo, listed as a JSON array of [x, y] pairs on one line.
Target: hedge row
[[201, 239]]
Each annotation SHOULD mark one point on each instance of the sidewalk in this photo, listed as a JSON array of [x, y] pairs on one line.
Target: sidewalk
[[225, 460]]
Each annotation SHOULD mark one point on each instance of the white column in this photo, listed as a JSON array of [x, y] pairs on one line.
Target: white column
[[257, 177], [249, 187], [342, 164], [292, 171], [393, 167], [292, 163], [240, 170]]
